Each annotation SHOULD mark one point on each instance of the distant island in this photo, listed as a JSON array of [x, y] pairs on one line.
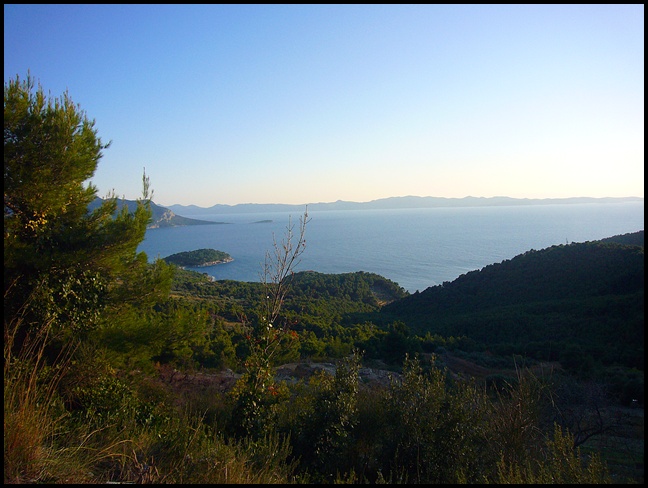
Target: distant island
[[393, 203], [199, 258]]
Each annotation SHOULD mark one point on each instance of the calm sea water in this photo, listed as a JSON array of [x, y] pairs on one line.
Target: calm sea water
[[416, 248]]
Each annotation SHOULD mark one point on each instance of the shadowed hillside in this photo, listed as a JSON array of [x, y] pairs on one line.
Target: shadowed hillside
[[589, 295]]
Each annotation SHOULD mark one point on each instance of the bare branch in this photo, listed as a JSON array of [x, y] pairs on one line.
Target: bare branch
[[278, 272]]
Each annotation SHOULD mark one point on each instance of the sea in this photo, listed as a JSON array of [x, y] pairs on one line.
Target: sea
[[416, 248]]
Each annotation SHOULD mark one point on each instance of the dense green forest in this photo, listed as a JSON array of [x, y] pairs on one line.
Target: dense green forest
[[584, 299], [199, 257], [119, 370]]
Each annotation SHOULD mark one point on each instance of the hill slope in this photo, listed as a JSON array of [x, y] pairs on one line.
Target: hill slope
[[161, 216], [589, 295]]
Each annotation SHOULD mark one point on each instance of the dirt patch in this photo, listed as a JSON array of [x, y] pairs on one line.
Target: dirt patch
[[180, 381], [460, 367], [294, 372], [224, 380]]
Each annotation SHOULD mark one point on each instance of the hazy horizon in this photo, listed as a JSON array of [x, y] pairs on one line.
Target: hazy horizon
[[233, 104], [393, 197]]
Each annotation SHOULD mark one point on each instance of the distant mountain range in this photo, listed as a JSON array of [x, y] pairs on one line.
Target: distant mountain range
[[391, 203], [170, 216]]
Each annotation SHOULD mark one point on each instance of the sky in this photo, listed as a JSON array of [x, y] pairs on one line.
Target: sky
[[229, 104]]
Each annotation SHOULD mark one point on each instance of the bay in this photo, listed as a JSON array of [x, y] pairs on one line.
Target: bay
[[416, 248]]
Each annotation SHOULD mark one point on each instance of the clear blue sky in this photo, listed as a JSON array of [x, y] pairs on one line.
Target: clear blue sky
[[314, 103]]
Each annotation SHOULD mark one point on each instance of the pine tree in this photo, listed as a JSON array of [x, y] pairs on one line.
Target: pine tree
[[64, 266]]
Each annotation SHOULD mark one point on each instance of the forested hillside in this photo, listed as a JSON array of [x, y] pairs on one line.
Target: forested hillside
[[582, 298]]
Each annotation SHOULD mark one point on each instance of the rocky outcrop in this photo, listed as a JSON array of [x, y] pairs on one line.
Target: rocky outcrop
[[160, 216]]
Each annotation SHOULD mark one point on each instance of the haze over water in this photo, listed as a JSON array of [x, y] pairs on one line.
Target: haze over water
[[416, 248]]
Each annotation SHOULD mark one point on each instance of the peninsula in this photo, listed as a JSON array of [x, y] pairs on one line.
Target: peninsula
[[199, 258], [161, 217]]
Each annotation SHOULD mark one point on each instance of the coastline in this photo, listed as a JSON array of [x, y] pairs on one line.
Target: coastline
[[210, 263], [214, 263]]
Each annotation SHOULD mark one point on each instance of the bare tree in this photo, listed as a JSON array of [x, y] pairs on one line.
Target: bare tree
[[278, 271], [257, 391]]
